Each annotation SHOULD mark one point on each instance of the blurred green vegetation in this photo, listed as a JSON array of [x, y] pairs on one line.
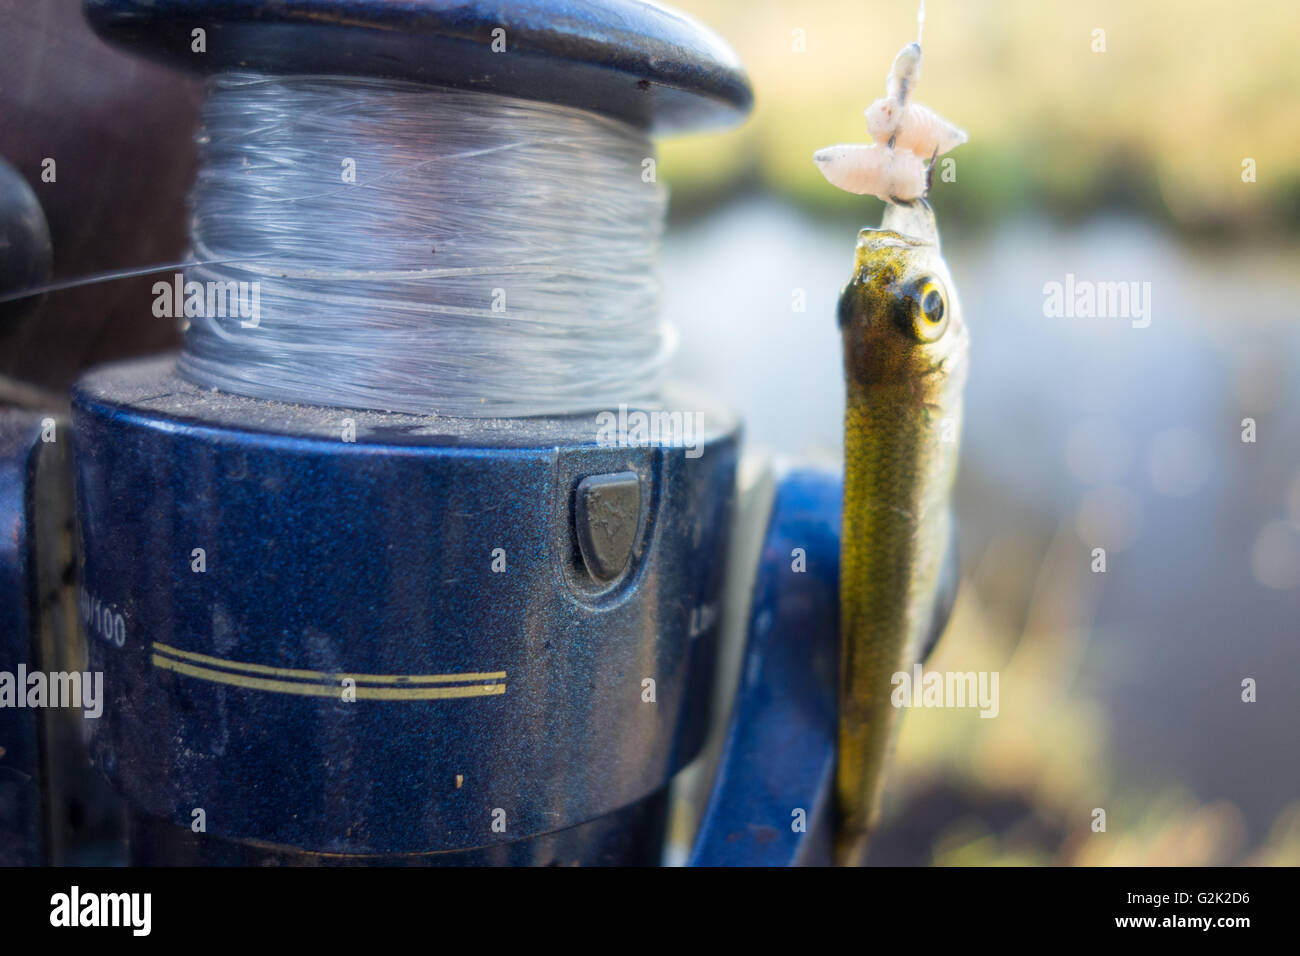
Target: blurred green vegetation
[[1158, 124], [1048, 762]]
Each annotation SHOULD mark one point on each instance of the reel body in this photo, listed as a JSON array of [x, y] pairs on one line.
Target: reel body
[[368, 634]]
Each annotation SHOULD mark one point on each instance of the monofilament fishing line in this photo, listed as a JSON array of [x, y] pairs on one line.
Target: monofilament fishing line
[[494, 256]]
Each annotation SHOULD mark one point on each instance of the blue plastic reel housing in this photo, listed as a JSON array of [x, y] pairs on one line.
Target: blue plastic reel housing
[[525, 614], [349, 632]]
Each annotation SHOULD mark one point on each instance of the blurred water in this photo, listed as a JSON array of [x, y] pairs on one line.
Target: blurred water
[[1132, 436]]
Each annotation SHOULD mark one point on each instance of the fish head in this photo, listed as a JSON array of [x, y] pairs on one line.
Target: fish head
[[899, 315]]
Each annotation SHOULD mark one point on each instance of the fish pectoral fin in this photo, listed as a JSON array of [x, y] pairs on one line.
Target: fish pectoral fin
[[945, 595]]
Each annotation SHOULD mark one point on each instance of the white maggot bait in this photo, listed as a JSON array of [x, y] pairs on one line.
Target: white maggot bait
[[873, 170], [913, 127], [904, 73], [906, 133]]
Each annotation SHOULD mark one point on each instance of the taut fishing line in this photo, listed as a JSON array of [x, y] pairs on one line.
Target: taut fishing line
[[494, 256]]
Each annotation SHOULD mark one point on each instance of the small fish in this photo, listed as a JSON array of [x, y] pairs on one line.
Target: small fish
[[913, 127], [873, 170], [905, 355]]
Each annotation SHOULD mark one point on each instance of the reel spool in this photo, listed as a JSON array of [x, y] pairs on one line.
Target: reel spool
[[338, 634]]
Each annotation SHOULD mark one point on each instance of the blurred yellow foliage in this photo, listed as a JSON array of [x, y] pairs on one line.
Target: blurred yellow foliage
[[1162, 120]]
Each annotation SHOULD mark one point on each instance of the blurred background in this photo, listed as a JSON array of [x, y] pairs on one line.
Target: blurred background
[[1119, 690], [1112, 156]]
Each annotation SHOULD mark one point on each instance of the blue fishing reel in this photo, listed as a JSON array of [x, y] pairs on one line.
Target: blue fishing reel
[[341, 636], [434, 636]]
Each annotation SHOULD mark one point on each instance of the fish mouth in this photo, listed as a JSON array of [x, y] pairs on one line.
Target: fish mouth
[[872, 238], [915, 222], [883, 252]]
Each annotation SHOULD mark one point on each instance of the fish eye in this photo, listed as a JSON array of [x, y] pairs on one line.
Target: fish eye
[[932, 306], [929, 310]]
